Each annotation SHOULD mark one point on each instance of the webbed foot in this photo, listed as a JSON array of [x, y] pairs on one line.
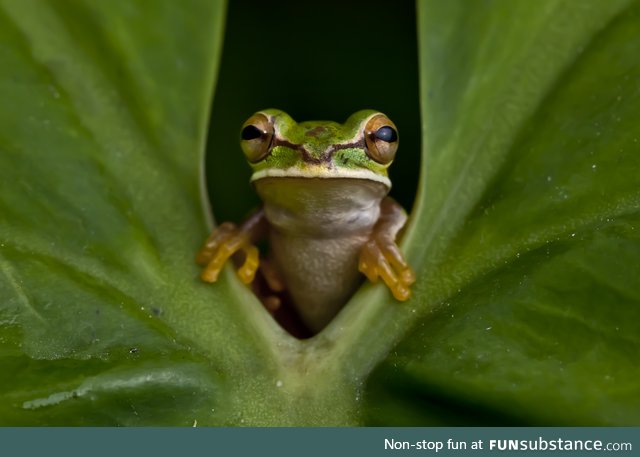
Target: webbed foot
[[381, 258], [225, 241]]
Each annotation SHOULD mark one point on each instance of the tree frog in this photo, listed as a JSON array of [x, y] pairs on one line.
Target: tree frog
[[325, 213]]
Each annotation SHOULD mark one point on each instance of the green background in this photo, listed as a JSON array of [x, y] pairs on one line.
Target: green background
[[518, 158]]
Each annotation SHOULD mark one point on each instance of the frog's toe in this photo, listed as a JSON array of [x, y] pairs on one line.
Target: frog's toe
[[407, 276], [247, 272], [381, 258], [272, 277], [214, 267], [395, 258], [272, 303], [218, 236], [369, 258], [224, 242], [210, 274]]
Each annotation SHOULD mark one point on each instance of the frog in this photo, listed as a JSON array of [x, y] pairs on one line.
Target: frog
[[326, 213]]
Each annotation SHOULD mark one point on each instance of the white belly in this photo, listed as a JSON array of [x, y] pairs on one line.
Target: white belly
[[317, 229]]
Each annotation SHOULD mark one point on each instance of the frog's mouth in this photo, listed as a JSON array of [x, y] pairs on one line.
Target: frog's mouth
[[322, 173]]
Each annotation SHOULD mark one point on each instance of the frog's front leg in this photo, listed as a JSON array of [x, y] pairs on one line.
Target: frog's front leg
[[380, 256], [226, 240]]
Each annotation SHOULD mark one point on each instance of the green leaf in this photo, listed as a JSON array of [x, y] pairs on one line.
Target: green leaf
[[523, 233], [103, 118], [528, 227]]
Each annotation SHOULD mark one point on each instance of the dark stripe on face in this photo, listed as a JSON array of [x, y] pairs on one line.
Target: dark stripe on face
[[326, 156]]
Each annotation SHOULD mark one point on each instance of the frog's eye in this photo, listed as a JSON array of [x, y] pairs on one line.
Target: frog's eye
[[381, 136], [255, 137]]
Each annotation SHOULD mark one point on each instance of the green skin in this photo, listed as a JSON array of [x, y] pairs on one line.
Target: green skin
[[326, 215], [316, 137]]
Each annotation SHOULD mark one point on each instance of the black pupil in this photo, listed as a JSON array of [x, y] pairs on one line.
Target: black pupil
[[387, 134], [251, 132]]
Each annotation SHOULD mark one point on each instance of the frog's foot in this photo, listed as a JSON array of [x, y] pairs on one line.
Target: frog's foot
[[271, 276], [224, 242], [274, 285], [381, 258]]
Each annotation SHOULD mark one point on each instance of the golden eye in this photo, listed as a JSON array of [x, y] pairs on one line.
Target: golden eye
[[381, 136], [255, 137]]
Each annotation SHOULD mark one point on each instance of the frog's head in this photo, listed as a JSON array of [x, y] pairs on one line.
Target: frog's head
[[361, 148]]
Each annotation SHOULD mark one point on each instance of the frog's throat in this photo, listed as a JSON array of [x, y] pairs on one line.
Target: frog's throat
[[327, 174]]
